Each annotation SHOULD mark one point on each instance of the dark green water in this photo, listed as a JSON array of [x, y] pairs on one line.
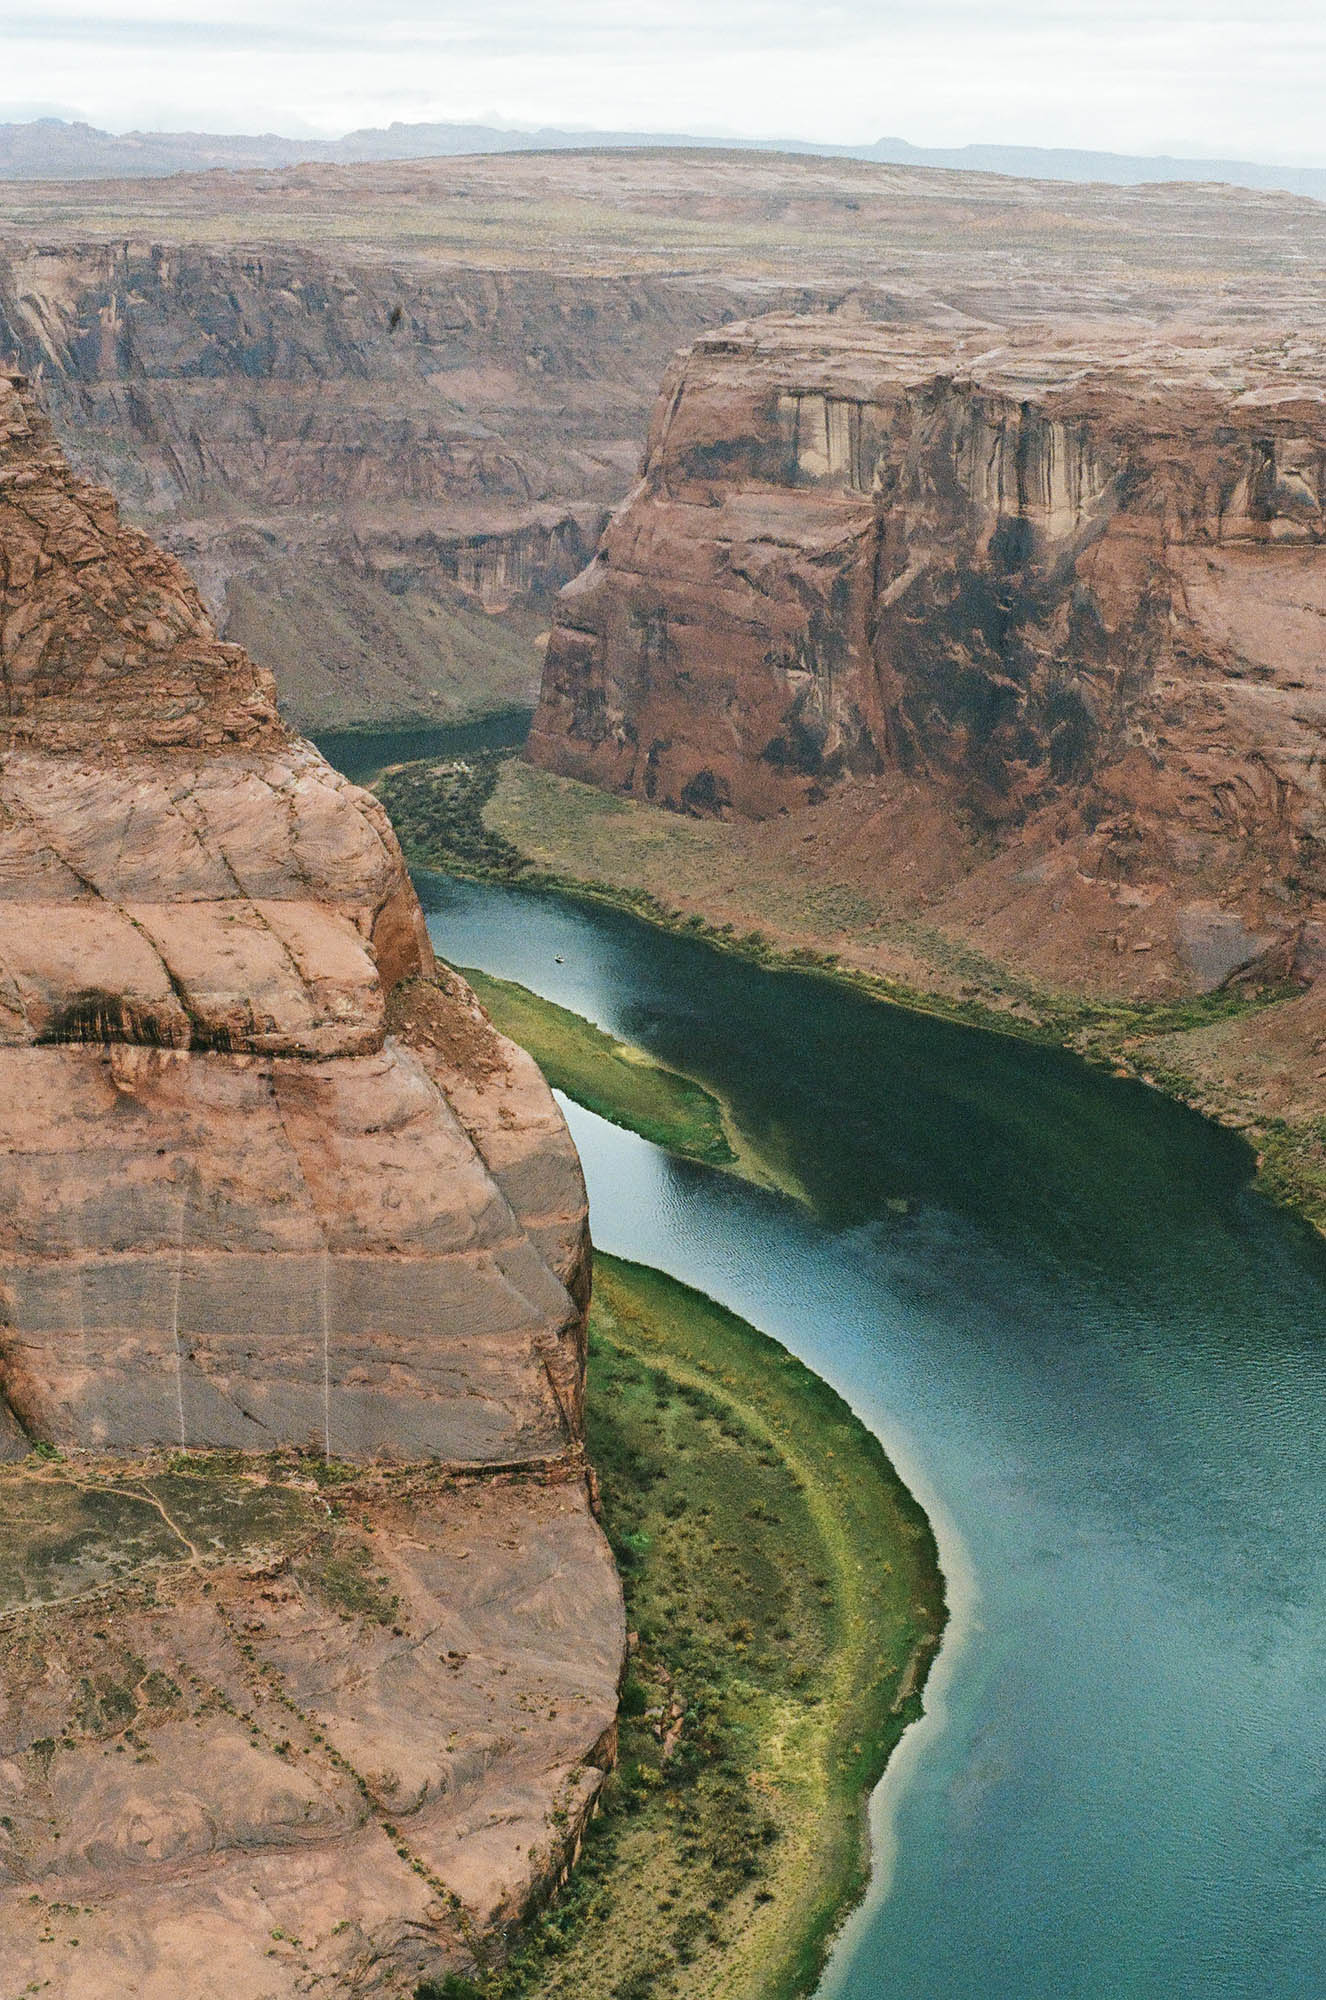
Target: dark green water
[[365, 754], [1100, 1360]]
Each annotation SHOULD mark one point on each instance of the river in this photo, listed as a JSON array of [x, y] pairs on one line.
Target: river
[[364, 754], [1100, 1361]]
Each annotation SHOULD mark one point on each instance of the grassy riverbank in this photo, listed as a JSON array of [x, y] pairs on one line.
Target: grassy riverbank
[[1231, 1055], [618, 1081], [627, 1085], [787, 1598]]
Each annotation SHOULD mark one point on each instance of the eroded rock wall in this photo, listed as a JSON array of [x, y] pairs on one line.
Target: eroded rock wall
[[1064, 585], [269, 1180], [235, 1209], [404, 453]]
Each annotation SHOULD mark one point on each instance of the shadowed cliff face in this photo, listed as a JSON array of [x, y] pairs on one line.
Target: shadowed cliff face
[[1065, 593], [372, 469], [235, 1209], [380, 410]]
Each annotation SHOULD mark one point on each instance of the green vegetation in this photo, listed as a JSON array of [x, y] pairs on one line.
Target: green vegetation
[[1293, 1165], [437, 810], [494, 819], [62, 1539], [73, 1527], [341, 1574], [786, 1595], [81, 1526], [619, 1082], [782, 1586], [501, 820]]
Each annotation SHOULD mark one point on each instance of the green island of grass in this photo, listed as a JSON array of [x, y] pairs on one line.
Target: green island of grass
[[620, 1082], [786, 1595]]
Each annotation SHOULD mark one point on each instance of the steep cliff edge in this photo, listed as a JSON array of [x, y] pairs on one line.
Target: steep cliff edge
[[380, 410], [236, 1211], [1016, 634], [268, 1182], [1066, 598], [379, 473]]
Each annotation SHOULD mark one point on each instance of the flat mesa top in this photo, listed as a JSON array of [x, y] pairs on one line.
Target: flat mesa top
[[1263, 377], [961, 242]]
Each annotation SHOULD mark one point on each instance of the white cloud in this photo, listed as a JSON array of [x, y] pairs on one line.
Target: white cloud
[[1219, 77]]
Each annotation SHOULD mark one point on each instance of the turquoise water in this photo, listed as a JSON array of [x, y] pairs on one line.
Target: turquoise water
[[1100, 1360]]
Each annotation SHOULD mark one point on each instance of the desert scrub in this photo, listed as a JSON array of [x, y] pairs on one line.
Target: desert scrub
[[437, 810], [1292, 1160], [494, 819], [339, 1569], [786, 1596], [619, 1082]]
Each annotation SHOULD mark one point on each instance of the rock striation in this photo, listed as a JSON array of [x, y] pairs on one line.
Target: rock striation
[[381, 410], [236, 1211], [1051, 598], [373, 470], [292, 1755], [269, 1181]]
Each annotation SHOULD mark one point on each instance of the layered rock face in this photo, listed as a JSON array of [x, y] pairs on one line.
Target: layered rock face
[[380, 410], [1061, 591], [268, 1179], [363, 464], [236, 1210]]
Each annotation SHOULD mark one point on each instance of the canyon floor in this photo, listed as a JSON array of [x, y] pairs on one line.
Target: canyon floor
[[785, 1595]]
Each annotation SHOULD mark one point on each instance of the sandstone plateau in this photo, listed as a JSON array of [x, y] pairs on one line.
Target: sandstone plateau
[[1019, 629], [270, 1183]]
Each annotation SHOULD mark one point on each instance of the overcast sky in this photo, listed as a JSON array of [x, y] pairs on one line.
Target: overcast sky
[[1222, 77]]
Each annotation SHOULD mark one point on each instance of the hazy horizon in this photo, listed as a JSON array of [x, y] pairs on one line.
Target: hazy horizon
[[1217, 80]]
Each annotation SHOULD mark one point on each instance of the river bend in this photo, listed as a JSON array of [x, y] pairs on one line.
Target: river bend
[[1099, 1358]]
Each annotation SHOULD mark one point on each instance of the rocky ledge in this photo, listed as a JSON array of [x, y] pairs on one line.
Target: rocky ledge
[[270, 1182]]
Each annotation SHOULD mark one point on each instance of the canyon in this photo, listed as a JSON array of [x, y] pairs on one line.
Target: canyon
[[383, 410], [972, 512], [969, 592], [379, 474], [1015, 634], [275, 1190], [1056, 604]]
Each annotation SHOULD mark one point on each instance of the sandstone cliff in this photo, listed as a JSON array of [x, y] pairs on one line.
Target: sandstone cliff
[[236, 1211], [268, 1180], [373, 470], [1047, 605], [380, 410]]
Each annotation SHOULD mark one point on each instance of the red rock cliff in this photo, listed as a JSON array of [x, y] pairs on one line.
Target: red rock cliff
[[234, 1208], [1065, 588]]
